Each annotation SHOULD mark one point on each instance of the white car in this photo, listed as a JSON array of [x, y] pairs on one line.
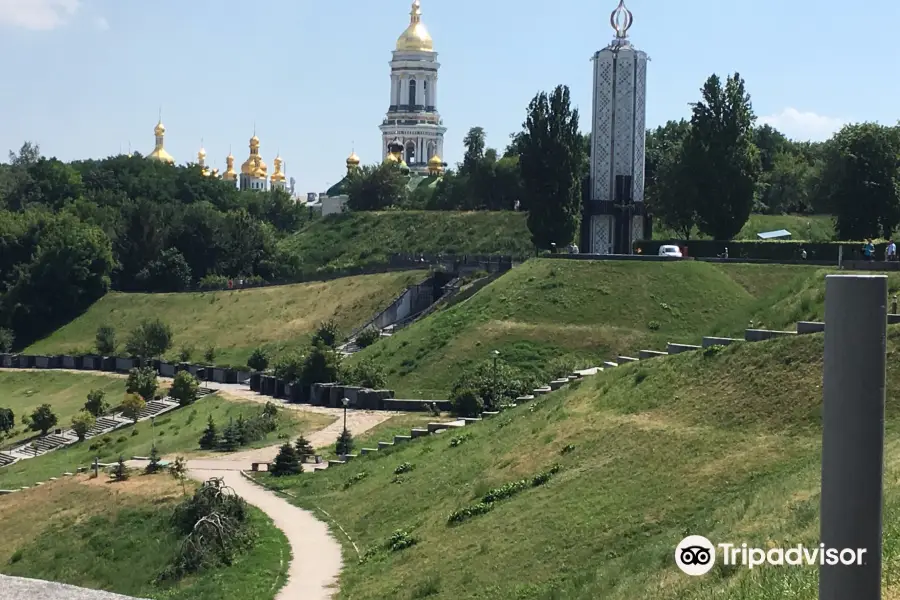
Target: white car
[[670, 251]]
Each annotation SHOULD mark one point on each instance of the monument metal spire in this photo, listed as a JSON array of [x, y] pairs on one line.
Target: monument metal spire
[[621, 20]]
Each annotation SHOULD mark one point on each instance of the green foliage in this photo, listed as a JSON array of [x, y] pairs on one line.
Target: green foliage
[[259, 360], [105, 340], [120, 471], [403, 468], [210, 438], [344, 444], [287, 462], [185, 353], [132, 405], [327, 333], [289, 366], [7, 420], [42, 419], [142, 381], [400, 540], [153, 466], [178, 471], [460, 439], [494, 382], [552, 160], [303, 447], [466, 513], [241, 432], [467, 403], [7, 339], [356, 479], [376, 187], [861, 180], [96, 405], [365, 373], [210, 355], [367, 337], [151, 339], [81, 423], [185, 388], [721, 158]]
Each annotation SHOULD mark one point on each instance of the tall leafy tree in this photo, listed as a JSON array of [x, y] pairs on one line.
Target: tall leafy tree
[[376, 187], [552, 160], [474, 143], [861, 180], [720, 156]]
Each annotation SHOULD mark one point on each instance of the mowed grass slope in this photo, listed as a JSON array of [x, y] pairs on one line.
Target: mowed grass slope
[[236, 322], [724, 444], [361, 238], [118, 537], [813, 228], [176, 432], [591, 310]]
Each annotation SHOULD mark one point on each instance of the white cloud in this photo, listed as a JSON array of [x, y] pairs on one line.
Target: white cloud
[[803, 125], [39, 15], [101, 23]]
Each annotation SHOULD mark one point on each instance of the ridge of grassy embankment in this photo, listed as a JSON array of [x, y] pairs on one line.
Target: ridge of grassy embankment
[[723, 443]]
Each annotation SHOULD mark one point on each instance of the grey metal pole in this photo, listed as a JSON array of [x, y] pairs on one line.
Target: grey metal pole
[[853, 432]]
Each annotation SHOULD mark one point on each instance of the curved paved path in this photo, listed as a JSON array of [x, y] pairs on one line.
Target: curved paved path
[[314, 575]]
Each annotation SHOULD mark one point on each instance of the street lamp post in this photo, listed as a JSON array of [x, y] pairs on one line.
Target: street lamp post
[[346, 403], [496, 354]]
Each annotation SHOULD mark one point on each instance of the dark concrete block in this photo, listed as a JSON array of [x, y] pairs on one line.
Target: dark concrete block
[[759, 335], [41, 362], [806, 327], [255, 381], [645, 354], [123, 365], [218, 375], [6, 361], [166, 369], [673, 348], [719, 341], [67, 362]]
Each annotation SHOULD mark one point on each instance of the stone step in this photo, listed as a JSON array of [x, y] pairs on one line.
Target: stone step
[[558, 383], [610, 364], [527, 398], [385, 445], [719, 341], [334, 463], [646, 354], [402, 438], [627, 359], [364, 451], [804, 327], [587, 372], [546, 389], [469, 420], [759, 335], [674, 348], [490, 413], [418, 432]]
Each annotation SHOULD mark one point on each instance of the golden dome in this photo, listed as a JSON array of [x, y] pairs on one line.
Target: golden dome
[[161, 155], [160, 129], [353, 160], [230, 174], [201, 154], [254, 141], [391, 157], [416, 37], [278, 175], [435, 164]]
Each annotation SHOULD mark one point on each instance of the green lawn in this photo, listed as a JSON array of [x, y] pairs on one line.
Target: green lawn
[[178, 431], [385, 431], [814, 228], [361, 238], [235, 322], [724, 444], [590, 310], [65, 392], [118, 537]]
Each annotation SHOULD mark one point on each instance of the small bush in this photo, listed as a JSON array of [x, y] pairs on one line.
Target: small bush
[[400, 540], [119, 472], [185, 354], [356, 479], [367, 337], [287, 462], [403, 468], [653, 325], [713, 350], [366, 373], [105, 340], [210, 355], [567, 449], [153, 466], [7, 339], [95, 403], [328, 334], [464, 514], [454, 442], [259, 360], [185, 388], [151, 339], [467, 403], [344, 443]]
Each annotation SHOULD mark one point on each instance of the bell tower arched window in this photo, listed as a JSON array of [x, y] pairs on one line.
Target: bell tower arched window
[[412, 92]]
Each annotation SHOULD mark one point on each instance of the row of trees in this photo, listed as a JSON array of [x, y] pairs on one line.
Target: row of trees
[[71, 231]]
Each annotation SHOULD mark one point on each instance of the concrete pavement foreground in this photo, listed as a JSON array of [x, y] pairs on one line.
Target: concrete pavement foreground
[[20, 588]]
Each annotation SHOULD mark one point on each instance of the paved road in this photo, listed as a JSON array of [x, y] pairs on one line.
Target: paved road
[[19, 588]]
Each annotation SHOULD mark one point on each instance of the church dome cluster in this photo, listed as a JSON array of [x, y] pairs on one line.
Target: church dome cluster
[[254, 173]]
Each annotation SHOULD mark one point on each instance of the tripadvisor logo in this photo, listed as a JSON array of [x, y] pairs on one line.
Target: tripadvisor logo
[[695, 555]]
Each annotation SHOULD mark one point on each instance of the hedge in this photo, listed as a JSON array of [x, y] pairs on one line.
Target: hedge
[[770, 250]]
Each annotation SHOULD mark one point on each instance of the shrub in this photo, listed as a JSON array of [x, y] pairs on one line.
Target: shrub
[[42, 419], [344, 443], [132, 406], [210, 438], [259, 360], [567, 449], [403, 468], [653, 325], [81, 424], [713, 350], [178, 470], [151, 339], [464, 514], [466, 403], [321, 365], [563, 366], [327, 333], [210, 355], [366, 373], [304, 448], [7, 339], [367, 337], [494, 386], [213, 282], [95, 403], [287, 462], [400, 540], [105, 340], [7, 420], [185, 354], [289, 367], [153, 466], [142, 381], [185, 388], [119, 472], [356, 479], [454, 442]]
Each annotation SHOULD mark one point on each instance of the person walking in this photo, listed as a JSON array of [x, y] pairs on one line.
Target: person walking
[[869, 250], [890, 253]]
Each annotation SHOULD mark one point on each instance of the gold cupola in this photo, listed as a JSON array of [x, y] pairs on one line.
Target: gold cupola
[[278, 176], [159, 152], [230, 174], [352, 162], [254, 165], [416, 37], [435, 165], [201, 160]]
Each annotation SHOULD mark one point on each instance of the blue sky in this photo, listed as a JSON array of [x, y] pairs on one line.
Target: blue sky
[[83, 78]]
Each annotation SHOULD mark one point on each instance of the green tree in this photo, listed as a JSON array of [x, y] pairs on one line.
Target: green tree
[[210, 355], [42, 419], [669, 192], [132, 406], [105, 340], [344, 444], [153, 466], [169, 272], [7, 420], [96, 404], [151, 339], [184, 355], [861, 180], [321, 365], [376, 187], [366, 373], [474, 143], [552, 160], [259, 360], [210, 438], [304, 448], [721, 158], [7, 339], [82, 423], [231, 437], [185, 388], [178, 470], [142, 381], [286, 462], [120, 471], [328, 333]]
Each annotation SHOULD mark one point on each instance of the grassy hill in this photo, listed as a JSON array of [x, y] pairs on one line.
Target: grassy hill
[[814, 228], [587, 310], [360, 238], [723, 444], [237, 321], [178, 431], [118, 537]]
